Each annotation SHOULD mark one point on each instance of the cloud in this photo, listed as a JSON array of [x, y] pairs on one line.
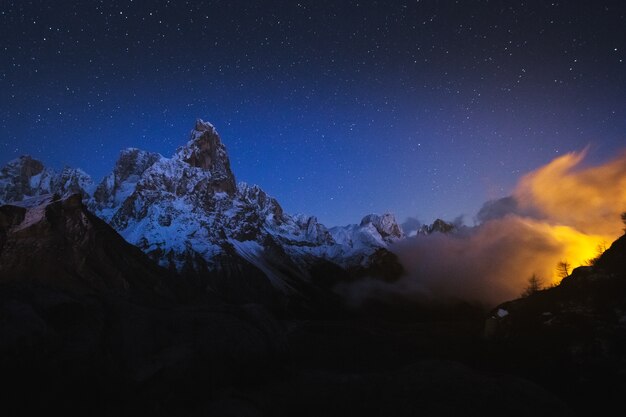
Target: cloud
[[588, 199], [411, 224], [560, 212], [496, 209]]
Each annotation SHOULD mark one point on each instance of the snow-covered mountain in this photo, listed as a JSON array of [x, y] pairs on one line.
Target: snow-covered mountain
[[354, 244], [26, 177], [188, 213]]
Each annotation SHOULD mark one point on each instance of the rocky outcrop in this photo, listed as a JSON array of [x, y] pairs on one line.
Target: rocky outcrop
[[206, 151], [26, 177], [356, 244], [22, 178], [71, 181], [121, 183], [438, 226], [385, 225]]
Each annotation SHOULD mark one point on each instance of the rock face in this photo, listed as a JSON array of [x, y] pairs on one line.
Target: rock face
[[23, 177], [120, 184], [26, 177], [438, 226], [355, 244], [189, 215], [206, 151]]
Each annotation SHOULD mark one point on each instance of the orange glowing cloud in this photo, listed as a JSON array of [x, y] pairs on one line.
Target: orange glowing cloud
[[578, 207], [560, 212], [587, 199]]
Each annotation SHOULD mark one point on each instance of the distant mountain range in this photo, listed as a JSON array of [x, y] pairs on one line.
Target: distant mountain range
[[189, 215]]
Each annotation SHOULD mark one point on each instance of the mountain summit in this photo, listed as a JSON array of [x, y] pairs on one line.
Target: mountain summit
[[26, 177], [206, 151], [188, 214]]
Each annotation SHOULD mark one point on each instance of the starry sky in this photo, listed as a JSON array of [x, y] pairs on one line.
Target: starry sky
[[336, 108]]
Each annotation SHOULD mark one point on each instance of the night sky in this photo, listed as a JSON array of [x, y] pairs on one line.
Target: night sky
[[336, 108]]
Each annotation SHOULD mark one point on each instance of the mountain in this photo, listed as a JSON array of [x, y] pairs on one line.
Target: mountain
[[89, 325], [48, 241], [120, 184], [26, 177], [572, 335], [189, 214], [438, 226]]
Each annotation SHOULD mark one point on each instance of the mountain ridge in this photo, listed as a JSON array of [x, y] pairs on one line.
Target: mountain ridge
[[188, 213]]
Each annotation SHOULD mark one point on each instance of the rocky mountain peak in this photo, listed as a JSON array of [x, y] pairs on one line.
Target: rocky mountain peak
[[21, 178], [72, 181], [187, 213], [202, 126], [119, 184], [206, 151], [133, 162], [25, 165], [438, 226], [254, 195], [385, 224]]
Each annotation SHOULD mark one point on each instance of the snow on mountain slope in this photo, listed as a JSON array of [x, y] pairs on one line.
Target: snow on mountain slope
[[71, 181], [188, 206], [26, 177], [120, 184], [356, 243], [188, 213]]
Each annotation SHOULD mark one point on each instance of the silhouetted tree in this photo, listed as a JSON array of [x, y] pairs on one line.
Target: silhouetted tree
[[535, 284], [623, 216], [562, 268], [600, 249]]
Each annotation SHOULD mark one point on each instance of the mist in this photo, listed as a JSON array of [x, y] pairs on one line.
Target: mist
[[559, 212]]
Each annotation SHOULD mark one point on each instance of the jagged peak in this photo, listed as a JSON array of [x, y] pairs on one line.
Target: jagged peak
[[302, 218], [385, 224], [438, 226], [24, 160], [130, 150], [254, 192], [248, 189], [206, 151], [202, 126], [68, 170], [138, 158]]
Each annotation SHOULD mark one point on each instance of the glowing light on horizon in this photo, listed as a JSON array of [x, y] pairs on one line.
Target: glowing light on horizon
[[579, 208], [562, 213]]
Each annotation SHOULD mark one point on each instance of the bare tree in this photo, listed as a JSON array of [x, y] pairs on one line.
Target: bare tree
[[600, 249], [563, 269], [535, 284]]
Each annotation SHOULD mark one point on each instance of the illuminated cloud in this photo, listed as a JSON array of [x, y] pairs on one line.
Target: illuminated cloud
[[560, 212]]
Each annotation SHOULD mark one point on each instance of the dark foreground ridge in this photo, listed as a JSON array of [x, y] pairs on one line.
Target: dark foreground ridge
[[571, 337], [90, 326]]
